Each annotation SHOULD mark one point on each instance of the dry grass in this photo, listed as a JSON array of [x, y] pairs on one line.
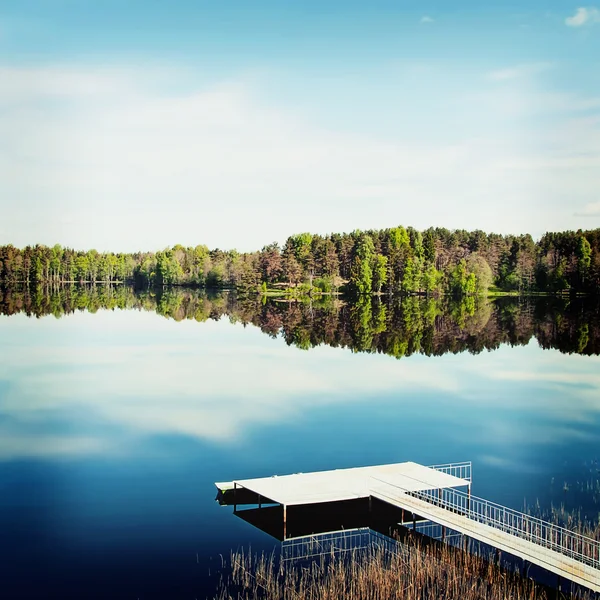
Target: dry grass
[[575, 521], [419, 574]]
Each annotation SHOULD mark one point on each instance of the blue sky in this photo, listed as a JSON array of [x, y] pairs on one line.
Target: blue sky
[[138, 125]]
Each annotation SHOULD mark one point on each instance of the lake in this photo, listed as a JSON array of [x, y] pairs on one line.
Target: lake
[[117, 418]]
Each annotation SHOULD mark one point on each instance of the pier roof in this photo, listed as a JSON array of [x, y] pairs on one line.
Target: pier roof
[[344, 484]]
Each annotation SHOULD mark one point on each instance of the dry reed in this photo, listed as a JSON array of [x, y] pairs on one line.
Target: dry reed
[[422, 572]]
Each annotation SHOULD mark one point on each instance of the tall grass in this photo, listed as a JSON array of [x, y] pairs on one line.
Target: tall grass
[[575, 521], [424, 572]]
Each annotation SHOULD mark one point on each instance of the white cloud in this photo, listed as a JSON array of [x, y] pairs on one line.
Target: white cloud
[[215, 155], [67, 82], [196, 164], [589, 210], [583, 16], [427, 19]]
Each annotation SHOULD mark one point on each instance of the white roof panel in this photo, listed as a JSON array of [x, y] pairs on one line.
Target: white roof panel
[[347, 484]]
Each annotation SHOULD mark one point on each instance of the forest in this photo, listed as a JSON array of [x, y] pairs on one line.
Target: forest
[[394, 261], [398, 327]]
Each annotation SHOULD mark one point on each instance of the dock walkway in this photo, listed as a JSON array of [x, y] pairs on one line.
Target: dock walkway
[[555, 549]]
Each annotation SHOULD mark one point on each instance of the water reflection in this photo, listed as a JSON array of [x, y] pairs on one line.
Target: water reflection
[[125, 373], [114, 424], [397, 327]]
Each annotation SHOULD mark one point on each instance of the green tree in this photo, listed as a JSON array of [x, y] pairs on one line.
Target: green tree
[[432, 279], [462, 282], [380, 272], [584, 258], [429, 246], [361, 277], [479, 267], [168, 269], [397, 242], [37, 270], [81, 267], [300, 246], [411, 280], [559, 279], [416, 242]]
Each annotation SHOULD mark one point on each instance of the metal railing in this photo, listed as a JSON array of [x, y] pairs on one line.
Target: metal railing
[[438, 532], [526, 527], [326, 544], [339, 544], [462, 470]]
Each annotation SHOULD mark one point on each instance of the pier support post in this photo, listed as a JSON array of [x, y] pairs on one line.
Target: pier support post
[[284, 521], [414, 518], [443, 533], [259, 501], [234, 497], [469, 499]]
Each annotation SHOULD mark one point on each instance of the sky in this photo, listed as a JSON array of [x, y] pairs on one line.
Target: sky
[[139, 125]]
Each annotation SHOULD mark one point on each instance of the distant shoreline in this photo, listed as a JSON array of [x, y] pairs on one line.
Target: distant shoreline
[[395, 262]]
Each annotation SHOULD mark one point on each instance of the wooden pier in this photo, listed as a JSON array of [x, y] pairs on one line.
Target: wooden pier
[[441, 494]]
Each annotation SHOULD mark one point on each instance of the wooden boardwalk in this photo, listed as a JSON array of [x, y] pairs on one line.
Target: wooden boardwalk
[[435, 494]]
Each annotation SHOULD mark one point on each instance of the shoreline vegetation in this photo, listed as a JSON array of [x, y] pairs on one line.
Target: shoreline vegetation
[[416, 571], [409, 568], [389, 262]]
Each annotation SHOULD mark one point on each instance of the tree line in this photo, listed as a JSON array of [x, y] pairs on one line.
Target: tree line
[[395, 326], [394, 261]]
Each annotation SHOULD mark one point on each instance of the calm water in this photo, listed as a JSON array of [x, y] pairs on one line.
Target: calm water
[[115, 425]]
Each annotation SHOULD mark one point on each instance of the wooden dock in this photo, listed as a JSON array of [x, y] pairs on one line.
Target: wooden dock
[[441, 494]]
